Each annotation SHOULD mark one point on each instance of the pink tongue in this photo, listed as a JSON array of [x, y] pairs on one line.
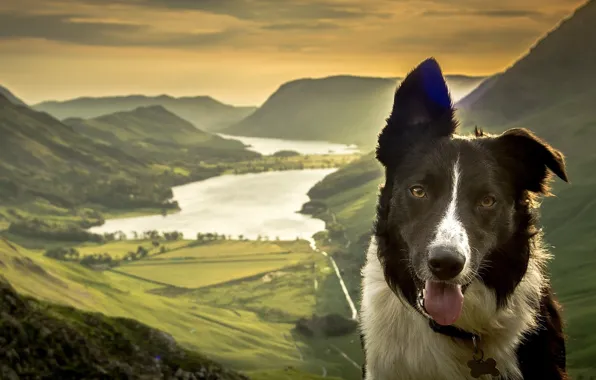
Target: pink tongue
[[443, 302]]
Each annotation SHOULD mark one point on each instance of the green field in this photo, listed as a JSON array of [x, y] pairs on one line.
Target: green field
[[117, 249], [195, 274], [245, 324]]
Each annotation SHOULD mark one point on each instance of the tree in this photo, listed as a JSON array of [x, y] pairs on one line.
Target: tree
[[142, 252]]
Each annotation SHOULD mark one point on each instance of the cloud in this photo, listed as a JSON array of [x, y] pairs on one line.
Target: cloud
[[467, 41], [263, 10], [495, 13], [72, 29], [60, 28], [298, 26]]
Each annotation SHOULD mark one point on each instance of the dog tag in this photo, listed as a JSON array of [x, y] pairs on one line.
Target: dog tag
[[478, 366], [483, 367]]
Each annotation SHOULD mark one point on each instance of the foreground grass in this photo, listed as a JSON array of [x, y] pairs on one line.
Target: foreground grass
[[223, 322]]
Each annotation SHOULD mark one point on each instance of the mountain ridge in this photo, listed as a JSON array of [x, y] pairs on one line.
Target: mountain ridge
[[7, 94], [342, 108], [204, 112]]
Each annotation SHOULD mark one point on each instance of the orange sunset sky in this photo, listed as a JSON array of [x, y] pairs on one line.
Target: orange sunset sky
[[240, 51]]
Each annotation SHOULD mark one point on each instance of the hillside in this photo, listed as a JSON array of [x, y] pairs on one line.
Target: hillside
[[37, 154], [11, 97], [203, 112], [49, 169], [344, 109], [151, 123], [236, 323], [52, 341], [550, 91]]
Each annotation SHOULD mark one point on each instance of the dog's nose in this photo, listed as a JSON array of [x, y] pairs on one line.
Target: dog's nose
[[445, 262]]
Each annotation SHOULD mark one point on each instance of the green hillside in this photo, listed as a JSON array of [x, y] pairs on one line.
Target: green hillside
[[151, 125], [241, 322], [54, 341], [344, 109], [550, 91], [203, 112], [54, 170]]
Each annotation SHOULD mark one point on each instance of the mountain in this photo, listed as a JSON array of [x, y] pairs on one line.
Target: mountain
[[551, 91], [48, 167], [203, 112], [152, 123], [38, 151], [11, 97], [345, 109]]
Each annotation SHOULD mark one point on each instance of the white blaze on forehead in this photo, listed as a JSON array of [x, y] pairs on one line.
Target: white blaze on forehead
[[451, 230]]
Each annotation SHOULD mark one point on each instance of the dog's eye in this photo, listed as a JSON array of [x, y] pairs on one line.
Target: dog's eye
[[488, 201], [418, 191]]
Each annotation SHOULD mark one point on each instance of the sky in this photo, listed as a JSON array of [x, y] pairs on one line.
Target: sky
[[241, 51]]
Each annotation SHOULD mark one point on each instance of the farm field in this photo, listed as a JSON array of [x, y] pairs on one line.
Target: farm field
[[217, 262], [221, 322]]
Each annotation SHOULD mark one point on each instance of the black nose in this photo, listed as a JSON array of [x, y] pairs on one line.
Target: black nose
[[445, 262]]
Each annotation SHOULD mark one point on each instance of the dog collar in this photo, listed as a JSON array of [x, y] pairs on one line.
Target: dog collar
[[452, 331], [478, 366]]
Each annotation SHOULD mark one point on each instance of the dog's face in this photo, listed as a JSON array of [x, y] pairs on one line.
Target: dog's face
[[451, 204]]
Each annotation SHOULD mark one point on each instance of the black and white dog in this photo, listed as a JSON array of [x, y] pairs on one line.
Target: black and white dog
[[455, 284]]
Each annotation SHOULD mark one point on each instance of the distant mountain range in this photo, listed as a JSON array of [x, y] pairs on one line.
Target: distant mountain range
[[551, 90], [203, 112], [128, 159], [345, 109], [143, 123]]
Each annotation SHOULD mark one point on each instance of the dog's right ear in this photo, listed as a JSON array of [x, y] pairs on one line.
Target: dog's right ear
[[422, 108]]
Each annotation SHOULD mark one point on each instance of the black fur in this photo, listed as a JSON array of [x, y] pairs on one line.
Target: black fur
[[419, 146]]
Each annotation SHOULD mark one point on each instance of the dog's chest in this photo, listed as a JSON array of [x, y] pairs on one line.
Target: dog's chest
[[412, 351], [400, 345]]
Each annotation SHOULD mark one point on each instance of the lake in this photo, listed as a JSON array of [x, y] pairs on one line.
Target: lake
[[247, 204], [269, 146], [252, 204]]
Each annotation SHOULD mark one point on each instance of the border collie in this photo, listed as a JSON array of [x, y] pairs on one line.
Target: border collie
[[455, 283]]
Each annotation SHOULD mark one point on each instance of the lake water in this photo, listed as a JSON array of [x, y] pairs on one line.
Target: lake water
[[269, 146], [246, 204]]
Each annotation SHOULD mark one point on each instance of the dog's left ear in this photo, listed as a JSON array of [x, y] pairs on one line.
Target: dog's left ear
[[422, 108], [530, 158]]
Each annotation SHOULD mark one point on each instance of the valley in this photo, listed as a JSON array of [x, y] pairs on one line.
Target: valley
[[232, 230]]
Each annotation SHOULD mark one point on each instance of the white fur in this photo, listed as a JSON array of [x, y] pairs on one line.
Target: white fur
[[400, 345], [451, 230]]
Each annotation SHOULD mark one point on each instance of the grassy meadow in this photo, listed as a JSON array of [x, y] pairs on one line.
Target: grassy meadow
[[243, 319]]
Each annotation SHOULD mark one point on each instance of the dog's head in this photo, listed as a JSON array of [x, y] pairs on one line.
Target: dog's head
[[454, 209]]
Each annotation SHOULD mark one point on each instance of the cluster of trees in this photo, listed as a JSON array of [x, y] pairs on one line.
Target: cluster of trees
[[154, 235], [99, 259], [63, 254], [39, 229], [214, 236]]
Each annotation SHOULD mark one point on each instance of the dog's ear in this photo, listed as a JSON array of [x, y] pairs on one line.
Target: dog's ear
[[530, 158], [422, 107]]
